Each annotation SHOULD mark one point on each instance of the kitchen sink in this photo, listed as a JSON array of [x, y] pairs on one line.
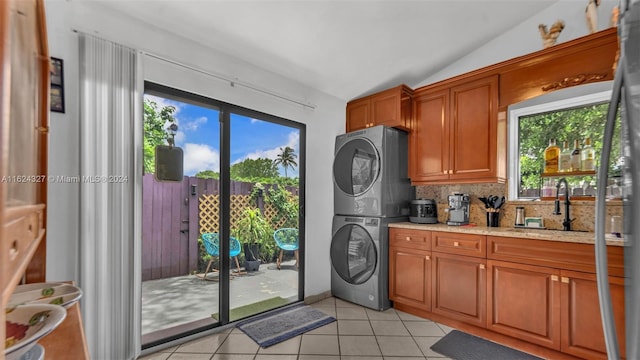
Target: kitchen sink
[[530, 229], [524, 230]]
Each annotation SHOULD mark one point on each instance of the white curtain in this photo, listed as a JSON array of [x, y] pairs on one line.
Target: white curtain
[[110, 111]]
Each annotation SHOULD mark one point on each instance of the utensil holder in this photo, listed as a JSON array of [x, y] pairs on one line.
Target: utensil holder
[[493, 219]]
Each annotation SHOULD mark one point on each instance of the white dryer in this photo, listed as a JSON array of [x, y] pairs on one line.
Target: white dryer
[[370, 173], [359, 260]]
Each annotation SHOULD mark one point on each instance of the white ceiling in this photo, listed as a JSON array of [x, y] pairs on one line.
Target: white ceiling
[[344, 48]]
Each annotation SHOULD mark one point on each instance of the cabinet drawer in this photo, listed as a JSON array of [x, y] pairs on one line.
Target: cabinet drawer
[[556, 254], [460, 244], [413, 239], [22, 232]]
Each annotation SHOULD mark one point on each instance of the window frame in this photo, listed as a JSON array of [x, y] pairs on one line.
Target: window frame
[[562, 99]]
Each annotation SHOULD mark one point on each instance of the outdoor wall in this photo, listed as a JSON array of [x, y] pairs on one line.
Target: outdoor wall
[[322, 124]]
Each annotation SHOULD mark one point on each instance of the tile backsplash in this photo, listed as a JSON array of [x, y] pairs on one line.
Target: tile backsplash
[[582, 211]]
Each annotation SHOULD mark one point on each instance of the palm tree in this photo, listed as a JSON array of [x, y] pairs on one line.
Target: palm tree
[[286, 158]]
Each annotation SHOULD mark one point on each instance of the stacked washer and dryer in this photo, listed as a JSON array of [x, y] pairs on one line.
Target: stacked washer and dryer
[[371, 190]]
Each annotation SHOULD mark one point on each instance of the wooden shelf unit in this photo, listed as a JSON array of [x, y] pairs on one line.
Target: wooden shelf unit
[[569, 173], [24, 130]]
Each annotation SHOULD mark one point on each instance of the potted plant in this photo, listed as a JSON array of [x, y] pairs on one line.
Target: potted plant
[[253, 231]]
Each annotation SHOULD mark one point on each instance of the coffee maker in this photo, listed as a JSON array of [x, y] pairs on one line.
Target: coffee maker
[[458, 209]]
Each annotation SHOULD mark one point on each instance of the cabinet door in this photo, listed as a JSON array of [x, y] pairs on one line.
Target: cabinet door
[[392, 108], [459, 288], [410, 277], [582, 334], [474, 128], [358, 114], [429, 138], [524, 302]]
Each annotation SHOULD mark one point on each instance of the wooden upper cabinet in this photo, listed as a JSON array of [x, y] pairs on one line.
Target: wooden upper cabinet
[[581, 61], [429, 137], [459, 125], [456, 133], [358, 114], [391, 107]]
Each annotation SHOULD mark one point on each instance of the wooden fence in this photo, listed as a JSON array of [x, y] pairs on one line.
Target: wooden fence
[[174, 215]]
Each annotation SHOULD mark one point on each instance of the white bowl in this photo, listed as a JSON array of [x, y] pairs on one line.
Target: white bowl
[[35, 353], [45, 293], [27, 324]]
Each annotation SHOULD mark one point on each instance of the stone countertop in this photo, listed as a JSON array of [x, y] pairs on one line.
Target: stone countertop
[[527, 233]]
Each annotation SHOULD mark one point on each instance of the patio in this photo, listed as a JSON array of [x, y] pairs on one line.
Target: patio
[[179, 300]]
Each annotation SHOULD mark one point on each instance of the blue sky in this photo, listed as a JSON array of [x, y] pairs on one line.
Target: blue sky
[[199, 137]]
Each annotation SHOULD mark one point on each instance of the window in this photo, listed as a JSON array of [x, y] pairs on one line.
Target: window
[[566, 115]]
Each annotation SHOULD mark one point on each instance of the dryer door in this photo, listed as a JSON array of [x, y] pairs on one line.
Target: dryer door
[[353, 254], [356, 167]]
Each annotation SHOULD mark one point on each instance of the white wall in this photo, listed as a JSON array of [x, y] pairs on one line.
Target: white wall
[[323, 123], [525, 38], [64, 154]]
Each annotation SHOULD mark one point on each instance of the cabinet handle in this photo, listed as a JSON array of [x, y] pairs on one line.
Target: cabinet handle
[[554, 277], [427, 257], [43, 129], [456, 244], [564, 279], [450, 172], [408, 238], [481, 266], [445, 172], [13, 251]]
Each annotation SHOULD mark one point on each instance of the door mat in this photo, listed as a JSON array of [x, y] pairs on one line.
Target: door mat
[[462, 346], [278, 326], [255, 308]]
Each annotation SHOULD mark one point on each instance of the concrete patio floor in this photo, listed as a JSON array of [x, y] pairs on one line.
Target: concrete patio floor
[[179, 300]]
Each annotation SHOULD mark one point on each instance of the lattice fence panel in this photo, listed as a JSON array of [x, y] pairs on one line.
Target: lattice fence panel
[[209, 211], [270, 213], [209, 217], [238, 204]]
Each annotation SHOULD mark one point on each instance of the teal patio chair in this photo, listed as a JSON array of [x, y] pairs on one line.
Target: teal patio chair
[[286, 239], [212, 245]]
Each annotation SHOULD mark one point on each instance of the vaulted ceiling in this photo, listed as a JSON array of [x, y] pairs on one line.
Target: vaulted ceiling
[[343, 48]]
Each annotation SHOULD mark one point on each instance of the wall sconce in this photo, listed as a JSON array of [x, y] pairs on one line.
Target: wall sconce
[[193, 189]]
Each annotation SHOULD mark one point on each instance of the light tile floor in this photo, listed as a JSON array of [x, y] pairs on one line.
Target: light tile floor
[[358, 334]]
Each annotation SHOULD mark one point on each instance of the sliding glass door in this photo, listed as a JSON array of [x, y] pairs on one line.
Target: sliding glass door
[[225, 242], [264, 152]]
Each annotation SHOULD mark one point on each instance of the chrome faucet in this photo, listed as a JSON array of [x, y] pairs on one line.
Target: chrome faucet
[[566, 224]]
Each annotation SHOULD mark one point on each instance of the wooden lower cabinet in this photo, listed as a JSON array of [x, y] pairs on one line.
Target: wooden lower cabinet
[[459, 288], [410, 277], [558, 309], [581, 323], [524, 302], [538, 296]]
